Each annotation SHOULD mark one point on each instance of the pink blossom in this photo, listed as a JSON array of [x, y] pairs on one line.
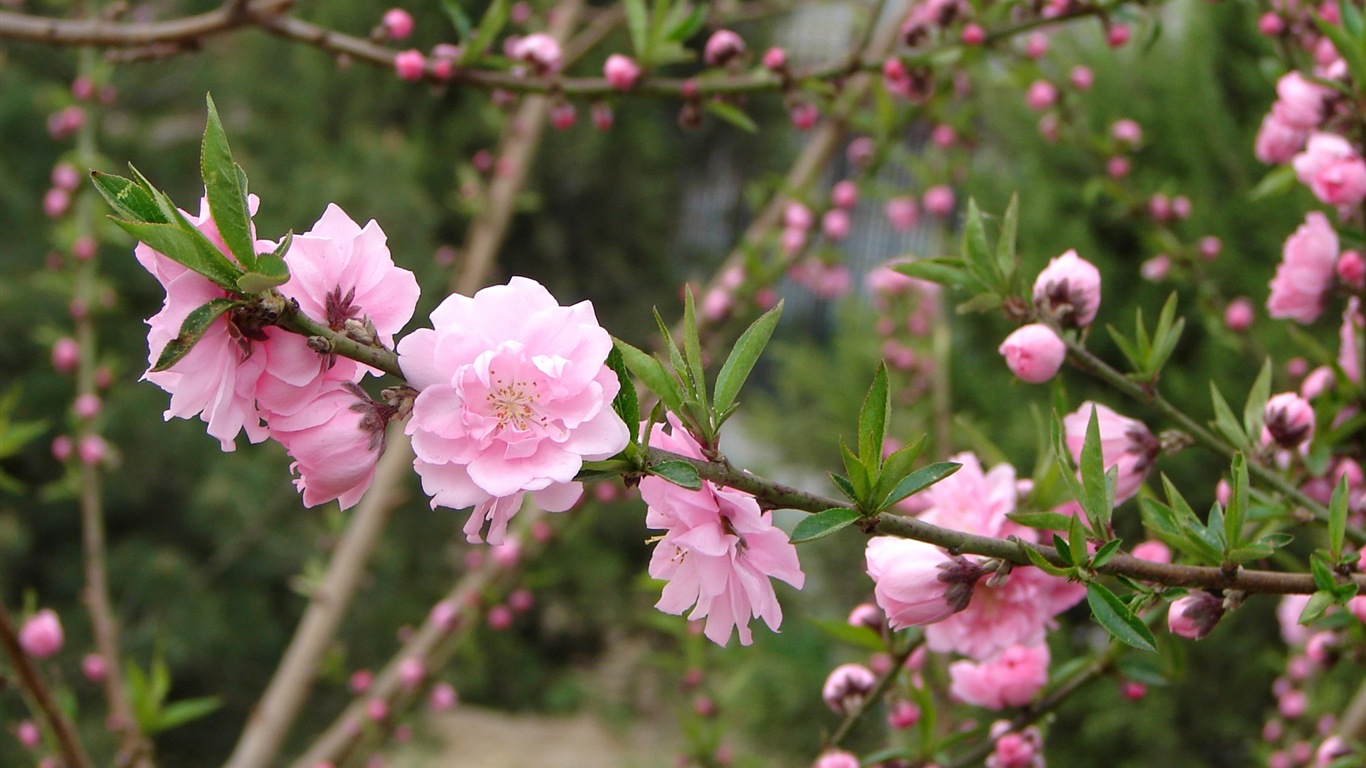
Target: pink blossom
[[1306, 271], [1351, 269], [1278, 142], [86, 407], [1081, 78], [1127, 131], [903, 213], [870, 616], [844, 194], [1270, 24], [621, 72], [775, 59], [1034, 352], [92, 450], [884, 282], [797, 216], [410, 672], [916, 583], [847, 686], [1349, 335], [1288, 419], [1333, 170], [1210, 247], [836, 758], [335, 440], [835, 224], [1022, 749], [1195, 615], [65, 176], [1041, 95], [943, 136], [1333, 748], [1288, 615], [1153, 551], [540, 50], [94, 667], [1068, 290], [28, 734], [41, 635], [902, 715], [1156, 268], [55, 202], [563, 116], [66, 355], [443, 697], [1239, 314], [1299, 102], [1009, 680], [1293, 704], [1124, 443], [939, 200], [514, 395], [723, 46], [410, 65], [718, 552], [397, 23], [1016, 612]]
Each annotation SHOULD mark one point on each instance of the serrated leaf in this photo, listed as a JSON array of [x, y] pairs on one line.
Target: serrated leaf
[[845, 487], [919, 480], [1046, 521], [625, 403], [271, 271], [1130, 351], [692, 348], [896, 468], [128, 199], [1318, 603], [1104, 553], [1042, 564], [680, 473], [859, 636], [822, 524], [1093, 475], [191, 331], [732, 114], [872, 420], [651, 372], [185, 246], [976, 251], [1224, 420], [225, 187], [857, 473], [1237, 504], [740, 362], [1063, 547], [1337, 517], [1111, 612]]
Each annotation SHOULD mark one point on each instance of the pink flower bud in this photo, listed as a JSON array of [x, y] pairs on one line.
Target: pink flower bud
[[1127, 131], [1048, 128], [1117, 167], [1081, 78], [797, 216], [86, 407], [1153, 551], [1270, 24], [939, 201], [870, 616], [397, 23], [1041, 95], [793, 240], [361, 680], [704, 706], [804, 115], [1332, 749], [603, 116], [1351, 269], [621, 72], [521, 600], [41, 636], [775, 59], [903, 715], [1133, 690], [836, 758], [1210, 247], [1289, 420], [1034, 353], [500, 617], [722, 47], [844, 194], [1322, 649], [377, 710], [410, 673], [973, 34], [943, 136], [506, 555], [1155, 269], [62, 448], [83, 88], [917, 583], [903, 213], [860, 151], [1036, 45], [847, 686], [1278, 142], [539, 50], [1117, 35], [1068, 290], [92, 450], [1239, 314], [66, 355], [84, 248], [445, 615], [1292, 704], [835, 224], [28, 734], [55, 202], [1333, 170], [94, 667], [520, 12], [1181, 207], [442, 698], [410, 65], [1195, 615], [563, 116]]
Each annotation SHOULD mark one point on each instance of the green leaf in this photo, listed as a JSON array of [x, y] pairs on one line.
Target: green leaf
[[651, 372], [976, 252], [872, 421], [226, 188], [1337, 517], [1005, 245], [822, 524], [1351, 19], [1224, 420], [896, 468], [1063, 547], [1277, 181], [179, 713], [489, 26], [1165, 337], [742, 358], [185, 246], [1318, 603], [1042, 564], [625, 403], [638, 22], [692, 349], [948, 272], [845, 487], [683, 29], [1096, 500], [732, 114], [919, 480], [860, 636], [1237, 504], [1118, 620], [271, 271], [1104, 553], [680, 473], [858, 474], [464, 28], [1254, 411], [128, 199], [1047, 521], [196, 323]]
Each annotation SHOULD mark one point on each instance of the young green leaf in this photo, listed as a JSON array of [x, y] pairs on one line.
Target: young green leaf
[[1118, 620], [857, 635], [489, 26], [919, 480], [742, 358], [1093, 482], [1337, 518], [191, 331], [692, 348], [1254, 411], [1046, 521], [638, 24], [733, 115], [822, 524], [872, 421], [625, 403], [1006, 260], [270, 272], [680, 473], [464, 28], [1236, 512], [1104, 553], [186, 246], [976, 252], [225, 186], [1224, 420], [1042, 563], [1318, 603], [651, 372], [684, 22], [128, 199]]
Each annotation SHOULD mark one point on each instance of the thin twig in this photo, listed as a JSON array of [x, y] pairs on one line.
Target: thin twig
[[102, 33], [883, 684], [32, 681]]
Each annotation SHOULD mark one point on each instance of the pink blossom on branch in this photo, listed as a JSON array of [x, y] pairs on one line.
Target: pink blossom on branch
[[514, 395], [1068, 290], [1009, 680], [1333, 170], [916, 583], [1034, 352], [1124, 443], [335, 441], [1306, 272], [718, 553]]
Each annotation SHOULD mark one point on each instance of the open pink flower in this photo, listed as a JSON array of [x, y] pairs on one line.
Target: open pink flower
[[1009, 680], [1125, 443], [718, 552], [974, 501], [1278, 142], [1306, 271], [1333, 171], [335, 441], [916, 583], [1299, 102], [514, 397], [218, 379], [1017, 612]]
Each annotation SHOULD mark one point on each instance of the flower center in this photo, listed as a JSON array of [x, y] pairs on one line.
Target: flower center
[[513, 404]]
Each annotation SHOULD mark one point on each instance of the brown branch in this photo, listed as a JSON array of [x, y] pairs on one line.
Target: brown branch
[[32, 681], [112, 34]]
